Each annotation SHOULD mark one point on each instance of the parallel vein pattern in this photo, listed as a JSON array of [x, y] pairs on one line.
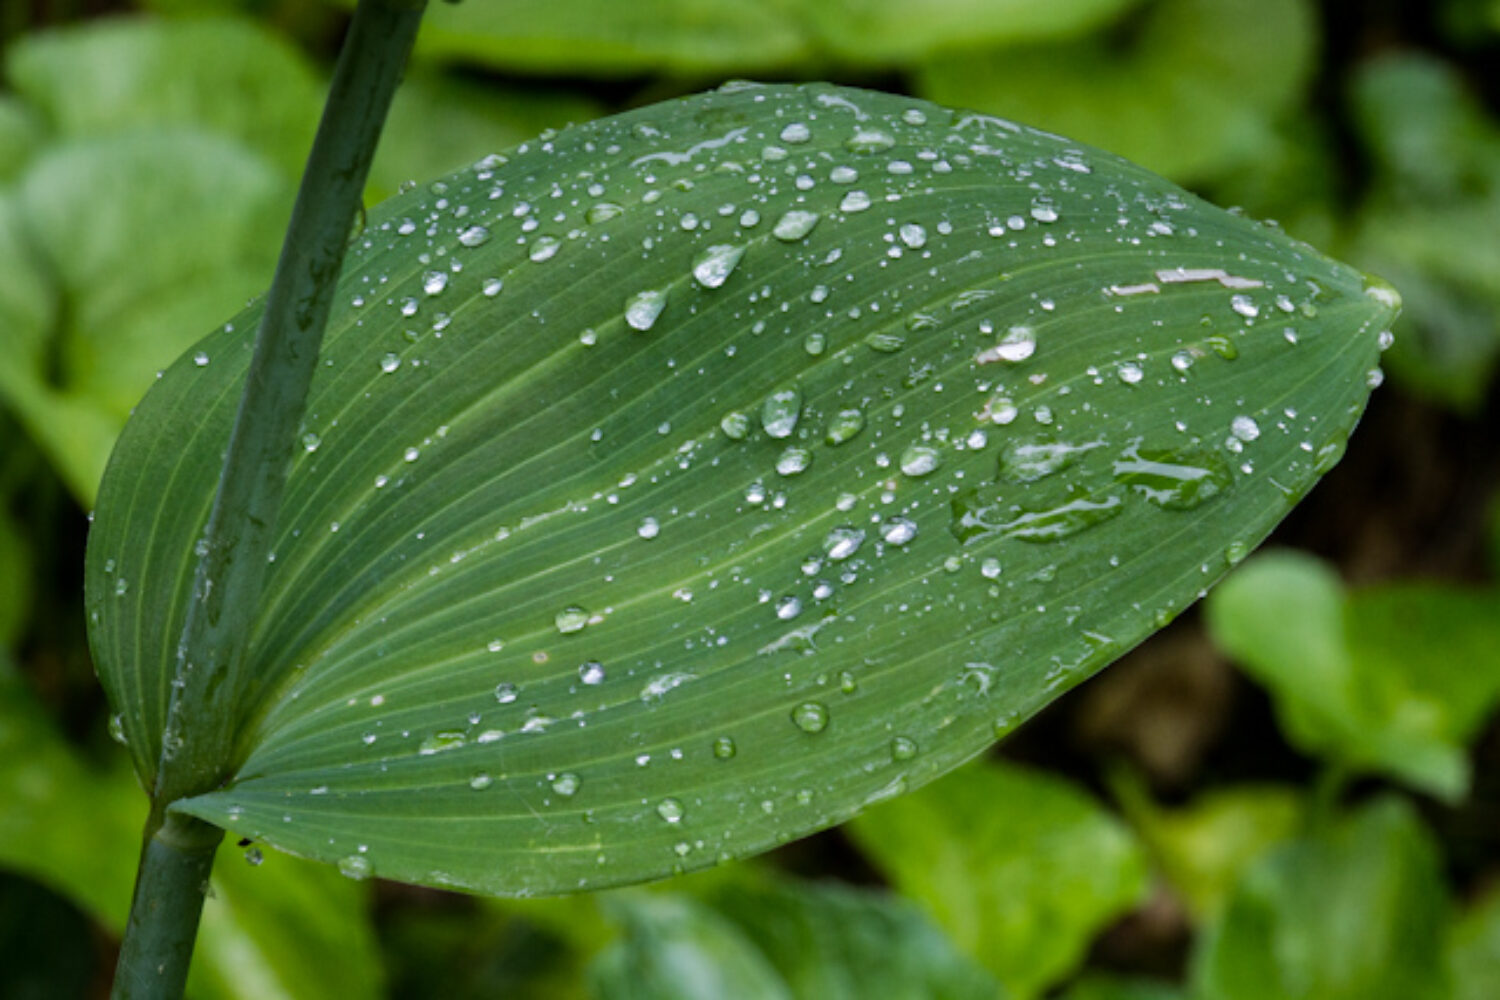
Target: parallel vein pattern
[[682, 482]]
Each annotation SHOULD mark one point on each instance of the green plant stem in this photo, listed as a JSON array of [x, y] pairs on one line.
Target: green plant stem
[[178, 851], [197, 747], [176, 859]]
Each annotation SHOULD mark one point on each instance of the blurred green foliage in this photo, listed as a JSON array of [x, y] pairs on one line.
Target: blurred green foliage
[[146, 168]]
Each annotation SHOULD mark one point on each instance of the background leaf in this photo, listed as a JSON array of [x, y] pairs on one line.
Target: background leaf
[[1022, 870], [659, 501], [1356, 910], [1393, 679], [288, 929]]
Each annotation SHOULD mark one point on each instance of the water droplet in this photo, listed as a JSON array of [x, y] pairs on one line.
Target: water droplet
[[913, 235], [780, 411], [796, 132], [1176, 480], [474, 236], [649, 528], [810, 717], [1130, 373], [898, 531], [903, 748], [602, 212], [434, 282], [854, 201], [670, 810], [815, 343], [724, 748], [793, 461], [788, 608], [1243, 305], [566, 784], [1018, 344], [310, 442], [1244, 428], [449, 739], [642, 308], [390, 362], [200, 358], [990, 568], [844, 425], [795, 225], [713, 266], [1029, 461], [1383, 292], [481, 781], [544, 248], [975, 517], [506, 693], [920, 460], [885, 343], [117, 729], [591, 672], [735, 425], [356, 866], [572, 619], [870, 140], [491, 287]]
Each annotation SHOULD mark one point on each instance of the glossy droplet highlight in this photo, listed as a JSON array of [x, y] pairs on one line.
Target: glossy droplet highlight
[[794, 225], [920, 460], [670, 810], [571, 619]]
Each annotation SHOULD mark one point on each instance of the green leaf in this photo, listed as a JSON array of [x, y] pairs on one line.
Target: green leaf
[[570, 587], [15, 580], [1395, 679], [439, 123], [1436, 154], [1105, 987], [1194, 93], [604, 38], [830, 942], [228, 76], [1357, 911], [895, 31], [1203, 848], [782, 939], [1021, 869], [20, 133], [1473, 951], [288, 929], [212, 211], [676, 949]]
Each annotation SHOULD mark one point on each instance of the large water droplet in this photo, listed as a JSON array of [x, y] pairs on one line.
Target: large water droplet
[[1028, 461], [544, 248], [1018, 344], [779, 412], [642, 308], [975, 517], [735, 425], [450, 739], [713, 266], [842, 542], [795, 225], [572, 619], [434, 282], [844, 425], [591, 672], [474, 236], [602, 212], [1176, 480], [870, 140], [793, 461]]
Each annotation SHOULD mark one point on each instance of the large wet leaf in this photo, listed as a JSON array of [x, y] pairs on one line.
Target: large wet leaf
[[694, 477]]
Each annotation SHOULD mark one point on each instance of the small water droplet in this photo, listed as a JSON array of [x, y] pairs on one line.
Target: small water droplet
[[724, 748], [670, 810], [903, 748], [1018, 344], [735, 425], [810, 717], [649, 528], [843, 425], [854, 201], [506, 693], [1244, 428], [920, 460], [898, 531], [481, 781], [796, 132], [356, 866], [870, 140], [390, 362], [566, 784], [793, 461], [913, 235], [200, 358], [544, 248], [571, 619], [885, 343], [602, 211], [434, 282], [591, 672], [474, 236]]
